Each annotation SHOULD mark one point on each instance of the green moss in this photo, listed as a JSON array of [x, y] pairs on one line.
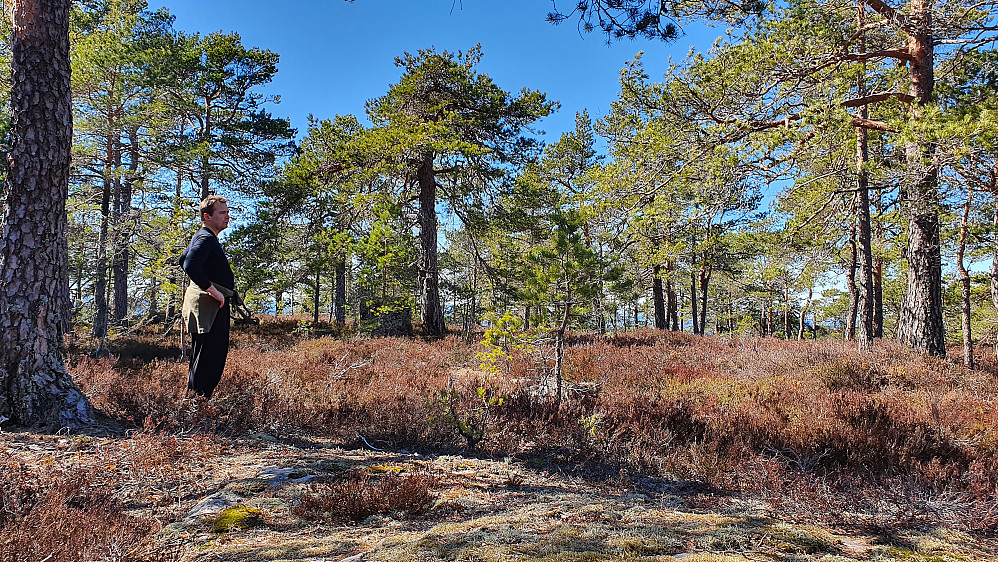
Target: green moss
[[236, 519]]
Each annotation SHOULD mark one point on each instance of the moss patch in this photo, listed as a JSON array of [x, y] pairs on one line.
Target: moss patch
[[236, 519]]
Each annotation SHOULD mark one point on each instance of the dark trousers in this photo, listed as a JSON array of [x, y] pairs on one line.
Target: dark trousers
[[208, 353]]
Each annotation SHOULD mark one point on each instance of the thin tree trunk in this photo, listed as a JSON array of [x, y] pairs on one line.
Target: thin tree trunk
[[175, 275], [315, 308], [122, 250], [878, 272], [35, 312], [994, 261], [560, 349], [786, 312], [431, 312], [122, 213], [851, 283], [803, 312], [154, 297], [680, 297], [670, 292], [693, 301], [101, 281], [340, 306], [968, 341], [658, 296], [206, 158], [864, 307], [878, 297], [332, 297], [769, 319], [705, 274]]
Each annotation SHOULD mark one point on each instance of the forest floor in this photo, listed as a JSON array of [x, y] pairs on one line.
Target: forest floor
[[235, 504], [666, 446]]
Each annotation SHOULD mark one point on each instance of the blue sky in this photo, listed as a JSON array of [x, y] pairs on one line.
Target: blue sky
[[336, 55]]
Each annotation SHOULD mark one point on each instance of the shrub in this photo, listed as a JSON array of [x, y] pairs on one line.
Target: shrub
[[58, 516], [358, 495]]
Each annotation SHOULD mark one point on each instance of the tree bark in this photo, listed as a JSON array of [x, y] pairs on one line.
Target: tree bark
[[317, 296], [968, 341], [705, 273], [658, 296], [431, 313], [865, 307], [206, 159], [560, 348], [122, 236], [35, 387], [920, 324], [786, 311], [803, 312], [878, 270], [693, 302], [340, 305], [878, 297], [851, 284], [101, 307], [994, 263], [864, 335], [670, 293]]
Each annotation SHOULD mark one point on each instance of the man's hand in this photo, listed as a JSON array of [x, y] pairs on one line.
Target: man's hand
[[217, 295]]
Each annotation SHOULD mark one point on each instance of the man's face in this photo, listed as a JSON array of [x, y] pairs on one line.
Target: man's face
[[218, 221]]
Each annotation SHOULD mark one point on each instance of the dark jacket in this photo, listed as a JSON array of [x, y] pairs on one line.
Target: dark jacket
[[206, 264]]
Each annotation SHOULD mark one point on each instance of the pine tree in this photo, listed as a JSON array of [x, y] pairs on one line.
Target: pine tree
[[35, 387]]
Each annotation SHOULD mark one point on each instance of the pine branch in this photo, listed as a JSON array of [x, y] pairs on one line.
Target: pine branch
[[880, 96]]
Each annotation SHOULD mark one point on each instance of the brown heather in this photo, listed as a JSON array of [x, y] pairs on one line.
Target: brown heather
[[820, 431], [72, 504], [357, 495]]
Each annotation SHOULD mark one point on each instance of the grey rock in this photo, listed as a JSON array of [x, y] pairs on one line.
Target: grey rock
[[212, 505]]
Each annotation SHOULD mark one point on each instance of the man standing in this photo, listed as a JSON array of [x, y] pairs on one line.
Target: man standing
[[207, 299]]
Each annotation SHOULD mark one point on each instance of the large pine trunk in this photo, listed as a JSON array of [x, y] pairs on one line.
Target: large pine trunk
[[35, 388], [431, 311], [920, 324]]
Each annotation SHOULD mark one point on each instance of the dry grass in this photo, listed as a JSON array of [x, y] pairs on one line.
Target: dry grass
[[826, 433]]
